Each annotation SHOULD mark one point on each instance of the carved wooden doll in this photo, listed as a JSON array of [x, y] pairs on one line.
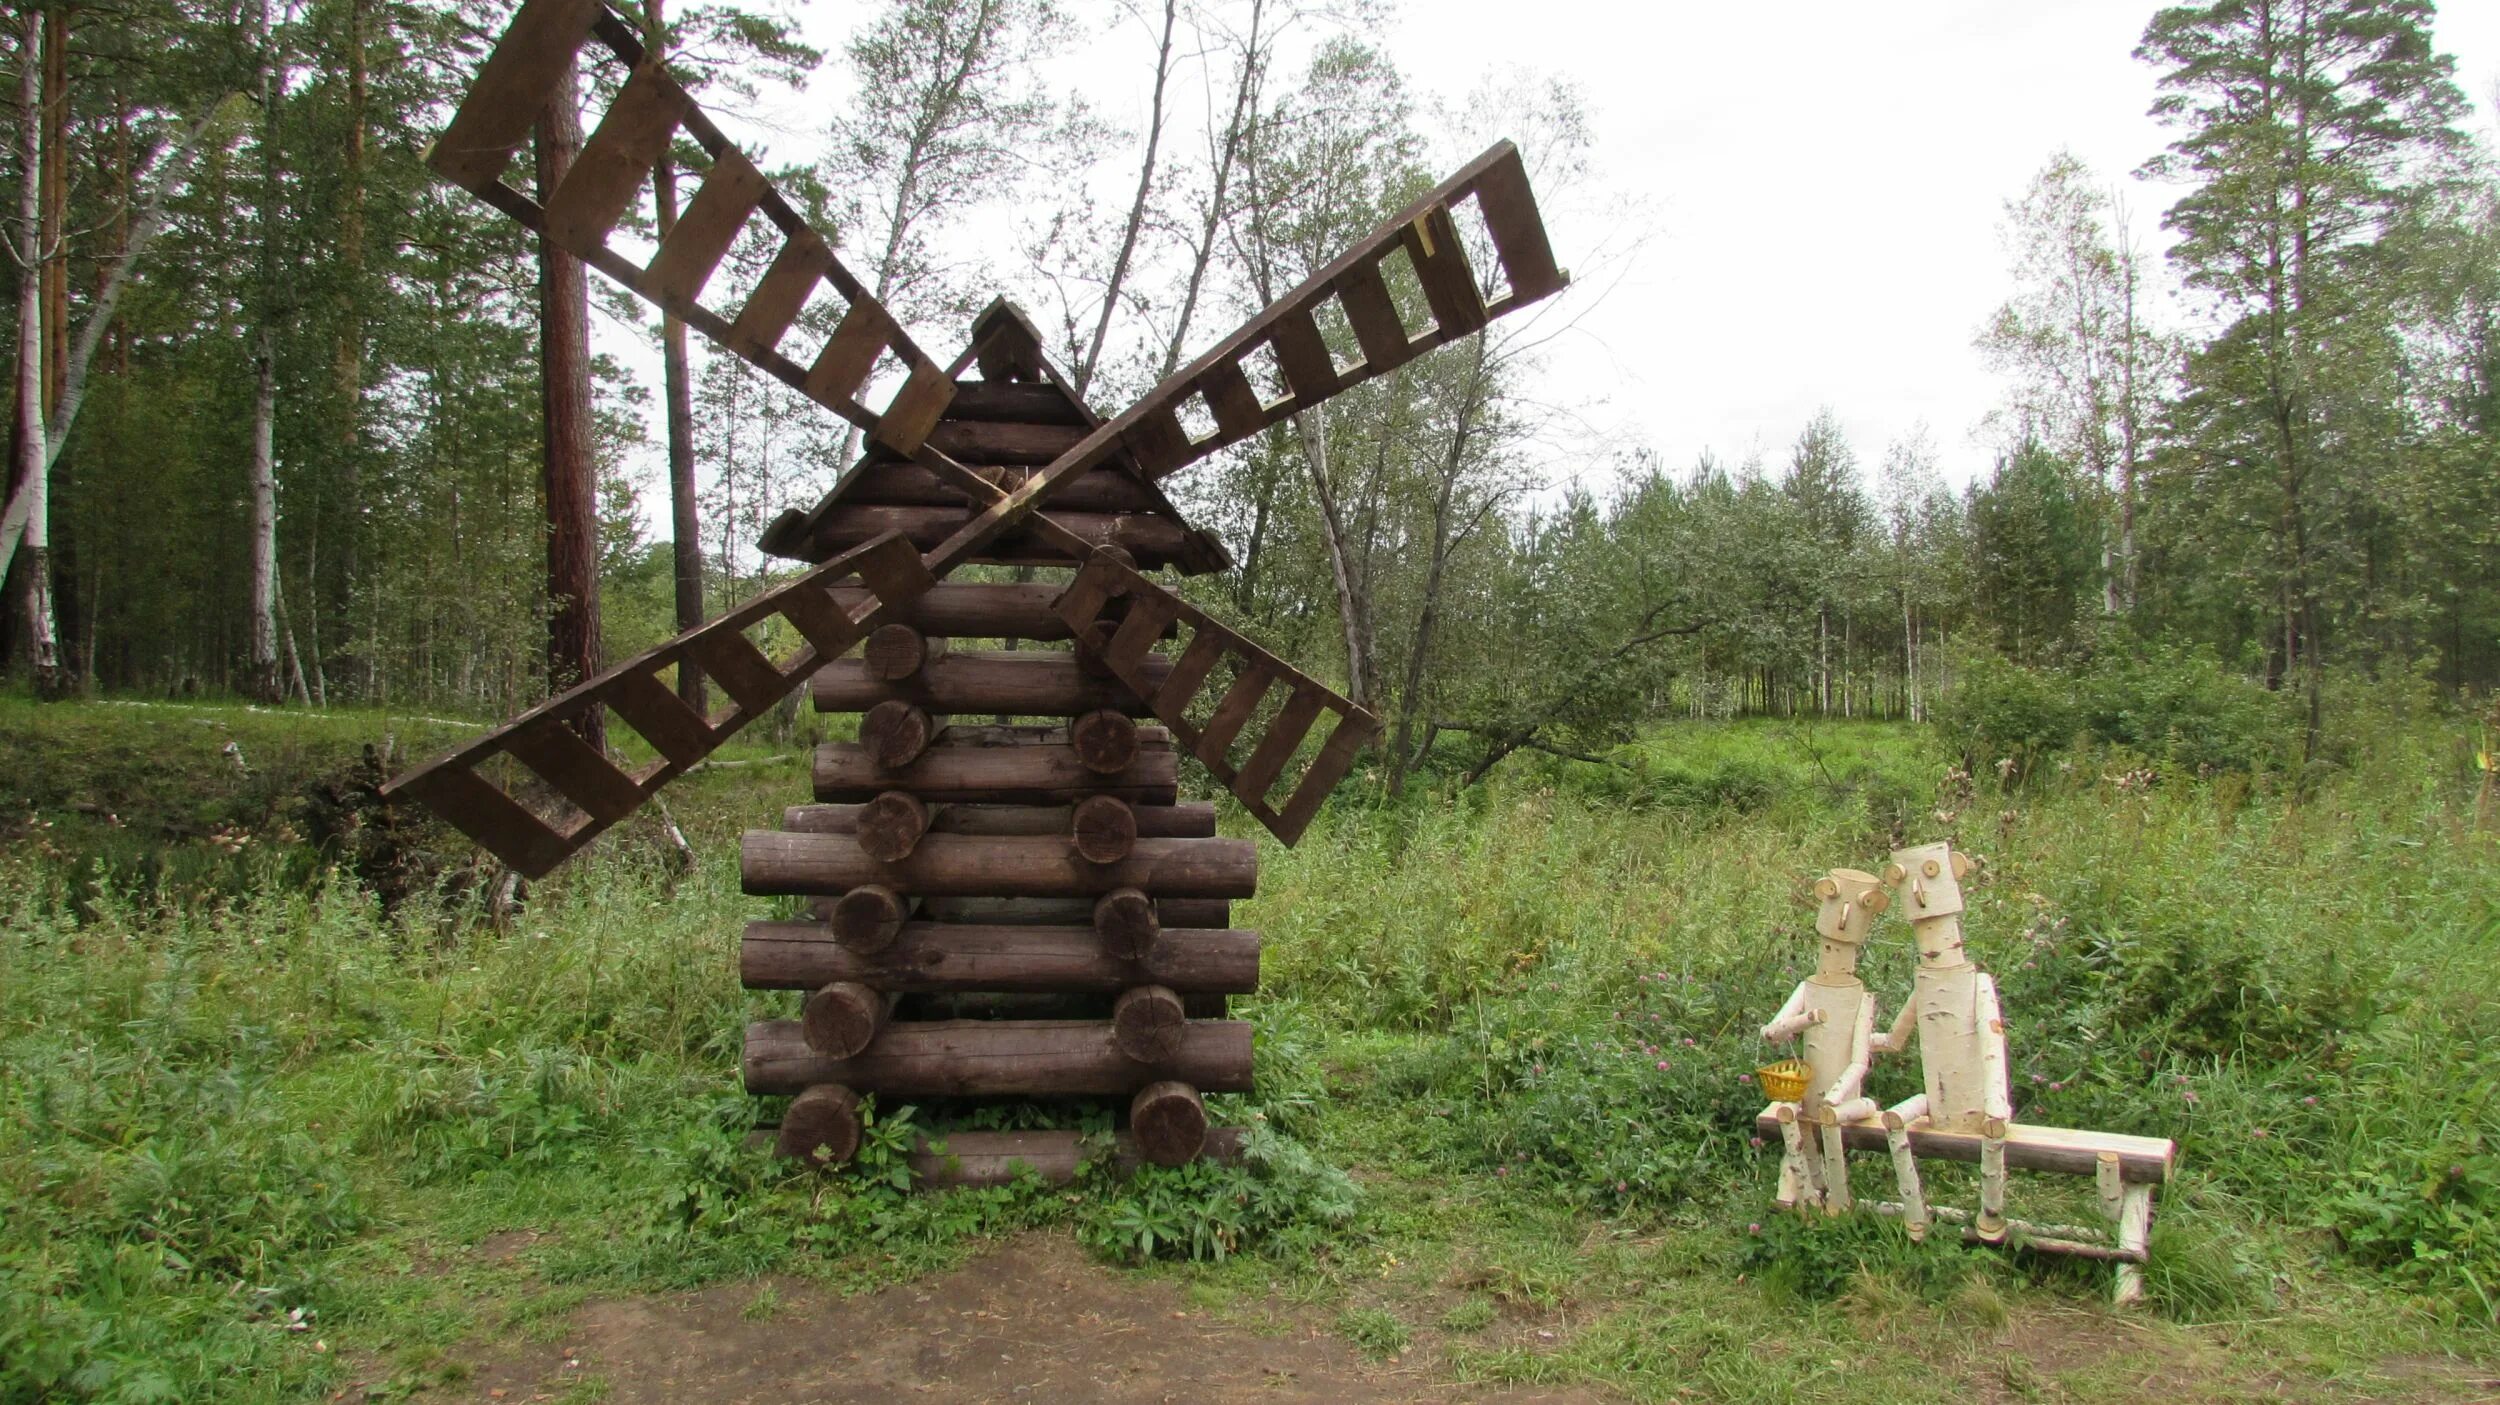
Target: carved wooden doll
[[1961, 1035], [1834, 1011]]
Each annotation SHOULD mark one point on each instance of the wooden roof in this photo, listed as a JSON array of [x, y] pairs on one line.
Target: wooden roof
[[1019, 415]]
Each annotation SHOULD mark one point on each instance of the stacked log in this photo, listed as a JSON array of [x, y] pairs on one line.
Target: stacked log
[[997, 908]]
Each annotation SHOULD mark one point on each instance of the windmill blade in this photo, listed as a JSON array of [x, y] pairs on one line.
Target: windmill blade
[[593, 790], [495, 117], [1425, 233], [1250, 673]]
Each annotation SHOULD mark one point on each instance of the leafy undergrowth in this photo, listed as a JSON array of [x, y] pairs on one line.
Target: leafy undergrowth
[[255, 1130]]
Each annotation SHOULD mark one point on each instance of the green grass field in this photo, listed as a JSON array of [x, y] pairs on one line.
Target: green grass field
[[251, 1129]]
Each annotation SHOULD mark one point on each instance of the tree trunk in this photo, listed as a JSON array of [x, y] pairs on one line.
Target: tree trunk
[[677, 385], [1136, 221], [1352, 610], [55, 248], [1228, 154], [568, 476], [264, 681], [348, 363], [29, 471]]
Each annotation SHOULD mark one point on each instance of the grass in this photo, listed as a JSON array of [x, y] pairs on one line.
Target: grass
[[258, 1138]]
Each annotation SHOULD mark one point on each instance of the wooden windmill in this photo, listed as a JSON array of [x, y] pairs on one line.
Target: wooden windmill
[[955, 870]]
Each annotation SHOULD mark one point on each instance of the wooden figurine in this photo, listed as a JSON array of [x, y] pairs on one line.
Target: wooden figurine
[[1965, 1112], [1834, 1012], [1002, 910], [1961, 1033]]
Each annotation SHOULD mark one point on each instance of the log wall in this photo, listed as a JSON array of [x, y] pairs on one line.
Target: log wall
[[999, 911]]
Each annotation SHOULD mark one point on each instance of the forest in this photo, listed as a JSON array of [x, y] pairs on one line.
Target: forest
[[319, 466], [245, 303]]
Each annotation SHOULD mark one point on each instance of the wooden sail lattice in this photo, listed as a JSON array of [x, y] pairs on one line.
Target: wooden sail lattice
[[1218, 387], [597, 790], [526, 70], [1269, 749], [519, 79]]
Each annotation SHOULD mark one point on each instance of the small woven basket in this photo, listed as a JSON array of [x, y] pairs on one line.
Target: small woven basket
[[1785, 1081]]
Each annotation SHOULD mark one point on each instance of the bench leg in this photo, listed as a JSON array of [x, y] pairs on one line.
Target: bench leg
[[1990, 1225], [1801, 1180], [1836, 1197], [1914, 1217], [2135, 1234]]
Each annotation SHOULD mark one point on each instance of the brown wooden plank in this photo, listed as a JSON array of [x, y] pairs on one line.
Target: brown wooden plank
[[1083, 601], [915, 409], [1441, 266], [1234, 402], [1336, 757], [732, 660], [650, 707], [893, 572], [1509, 209], [849, 354], [612, 168], [576, 769], [1147, 618], [1180, 687], [776, 301], [512, 88], [1283, 738], [1375, 320], [821, 620], [1159, 442], [1302, 355], [702, 235], [495, 820], [1235, 709]]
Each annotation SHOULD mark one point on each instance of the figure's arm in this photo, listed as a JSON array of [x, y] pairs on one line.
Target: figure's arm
[[1844, 1089], [1992, 1051], [1793, 1018], [1897, 1039]]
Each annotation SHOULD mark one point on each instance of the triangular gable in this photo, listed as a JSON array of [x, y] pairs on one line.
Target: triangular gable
[[1018, 416]]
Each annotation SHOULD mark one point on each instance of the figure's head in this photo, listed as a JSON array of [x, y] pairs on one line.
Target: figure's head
[[1927, 880], [1847, 904]]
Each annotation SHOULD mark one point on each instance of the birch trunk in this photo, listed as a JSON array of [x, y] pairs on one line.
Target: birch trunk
[[264, 681], [30, 472]]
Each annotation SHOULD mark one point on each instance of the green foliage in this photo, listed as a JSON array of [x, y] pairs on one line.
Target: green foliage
[[2143, 702]]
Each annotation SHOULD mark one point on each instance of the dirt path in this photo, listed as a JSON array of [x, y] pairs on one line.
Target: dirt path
[[1030, 1321]]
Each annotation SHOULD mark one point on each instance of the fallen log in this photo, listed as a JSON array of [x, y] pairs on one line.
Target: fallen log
[[1038, 774], [1014, 683], [944, 956], [996, 1058]]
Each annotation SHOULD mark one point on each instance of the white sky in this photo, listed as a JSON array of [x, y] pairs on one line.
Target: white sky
[[1811, 193]]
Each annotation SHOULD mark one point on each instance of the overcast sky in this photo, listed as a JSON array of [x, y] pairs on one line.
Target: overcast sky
[[1825, 182], [1815, 190]]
